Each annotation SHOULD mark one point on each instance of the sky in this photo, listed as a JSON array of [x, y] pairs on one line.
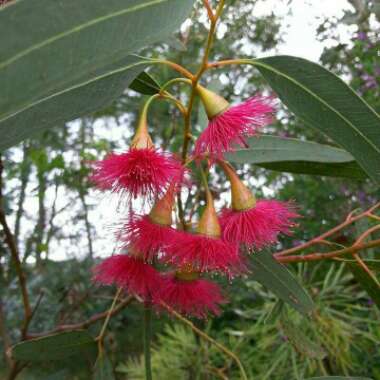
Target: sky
[[300, 40]]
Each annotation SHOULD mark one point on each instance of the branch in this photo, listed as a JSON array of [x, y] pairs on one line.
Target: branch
[[320, 256], [83, 325], [10, 241], [322, 238], [25, 171], [4, 336], [208, 338]]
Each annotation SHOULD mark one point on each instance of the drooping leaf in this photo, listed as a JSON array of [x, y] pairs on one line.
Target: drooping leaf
[[145, 84], [103, 369], [55, 48], [83, 98], [275, 277], [322, 100], [301, 342], [297, 156], [55, 347], [372, 264], [369, 284]]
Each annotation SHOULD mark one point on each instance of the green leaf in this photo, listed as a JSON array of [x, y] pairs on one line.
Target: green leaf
[[56, 54], [55, 347], [275, 277], [297, 156], [145, 84], [369, 284], [103, 369], [325, 102], [338, 378], [83, 98], [372, 264], [302, 343]]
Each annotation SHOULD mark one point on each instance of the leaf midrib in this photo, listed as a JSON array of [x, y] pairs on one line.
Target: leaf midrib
[[110, 73], [251, 149], [270, 68], [284, 284], [77, 29]]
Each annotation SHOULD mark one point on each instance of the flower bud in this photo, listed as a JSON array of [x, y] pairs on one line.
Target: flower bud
[[241, 197], [209, 224], [161, 212], [142, 139], [214, 104], [187, 275], [134, 252]]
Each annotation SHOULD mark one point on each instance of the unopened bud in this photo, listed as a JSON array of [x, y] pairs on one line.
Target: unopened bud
[[209, 224], [161, 212], [187, 275], [214, 104], [142, 139], [242, 198]]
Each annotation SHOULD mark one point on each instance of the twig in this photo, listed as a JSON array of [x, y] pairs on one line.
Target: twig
[[83, 325], [364, 266], [10, 241], [210, 12], [195, 79], [4, 336], [329, 255], [100, 337], [319, 239], [206, 337]]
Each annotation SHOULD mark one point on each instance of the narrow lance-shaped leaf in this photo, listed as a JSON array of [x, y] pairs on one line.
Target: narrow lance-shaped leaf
[[81, 99], [301, 342], [368, 282], [53, 47], [275, 277], [297, 156], [325, 102], [365, 277], [55, 347]]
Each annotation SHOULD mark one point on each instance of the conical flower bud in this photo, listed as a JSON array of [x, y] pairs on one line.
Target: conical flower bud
[[241, 197], [161, 212], [187, 275], [142, 139], [209, 224], [214, 104]]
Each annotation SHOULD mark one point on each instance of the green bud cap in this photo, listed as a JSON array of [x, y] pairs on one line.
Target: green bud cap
[[161, 212], [142, 139], [214, 104], [209, 224], [187, 275], [241, 197]]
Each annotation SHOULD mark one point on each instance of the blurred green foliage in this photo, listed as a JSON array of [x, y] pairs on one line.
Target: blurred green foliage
[[49, 201]]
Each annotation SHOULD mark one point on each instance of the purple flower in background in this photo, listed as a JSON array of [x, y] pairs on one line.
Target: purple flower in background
[[362, 36], [362, 197]]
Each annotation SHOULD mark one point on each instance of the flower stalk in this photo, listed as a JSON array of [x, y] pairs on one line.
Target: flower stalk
[[147, 334]]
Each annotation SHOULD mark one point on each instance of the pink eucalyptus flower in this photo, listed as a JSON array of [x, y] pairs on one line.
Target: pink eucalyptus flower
[[203, 253], [258, 226], [196, 298], [147, 237], [234, 125], [130, 273], [143, 172]]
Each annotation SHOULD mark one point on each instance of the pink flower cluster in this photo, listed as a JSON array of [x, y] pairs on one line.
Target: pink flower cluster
[[168, 266]]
